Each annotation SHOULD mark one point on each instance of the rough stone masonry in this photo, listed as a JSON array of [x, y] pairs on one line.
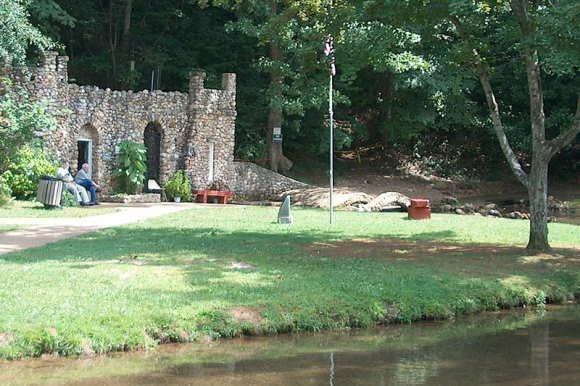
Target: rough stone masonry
[[192, 132]]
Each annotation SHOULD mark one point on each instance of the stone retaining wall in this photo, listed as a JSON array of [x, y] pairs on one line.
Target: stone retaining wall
[[253, 182]]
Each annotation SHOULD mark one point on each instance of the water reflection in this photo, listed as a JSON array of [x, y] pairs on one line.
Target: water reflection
[[500, 349]]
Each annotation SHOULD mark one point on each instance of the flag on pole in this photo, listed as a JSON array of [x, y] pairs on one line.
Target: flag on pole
[[329, 52]]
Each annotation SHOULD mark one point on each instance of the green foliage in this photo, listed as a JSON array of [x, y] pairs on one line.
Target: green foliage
[[403, 71], [21, 121], [68, 199], [131, 166], [17, 34], [24, 170], [5, 194], [179, 186]]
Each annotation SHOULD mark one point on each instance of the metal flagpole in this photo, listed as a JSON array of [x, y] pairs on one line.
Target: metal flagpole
[[331, 116], [330, 53]]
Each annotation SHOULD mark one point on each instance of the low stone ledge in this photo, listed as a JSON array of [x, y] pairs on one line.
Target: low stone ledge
[[145, 198]]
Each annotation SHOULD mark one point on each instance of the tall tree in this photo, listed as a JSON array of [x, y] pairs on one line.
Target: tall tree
[[540, 31]]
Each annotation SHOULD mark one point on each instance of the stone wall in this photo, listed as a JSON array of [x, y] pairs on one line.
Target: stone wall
[[193, 126], [253, 182]]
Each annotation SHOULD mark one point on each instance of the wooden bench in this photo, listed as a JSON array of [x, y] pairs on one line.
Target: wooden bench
[[222, 197]]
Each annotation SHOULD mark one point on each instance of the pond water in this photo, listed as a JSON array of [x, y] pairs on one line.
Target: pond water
[[505, 348]]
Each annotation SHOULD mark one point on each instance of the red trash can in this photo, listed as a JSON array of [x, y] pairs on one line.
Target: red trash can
[[419, 209]]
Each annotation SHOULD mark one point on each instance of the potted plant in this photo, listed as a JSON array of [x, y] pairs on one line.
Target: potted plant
[[178, 187]]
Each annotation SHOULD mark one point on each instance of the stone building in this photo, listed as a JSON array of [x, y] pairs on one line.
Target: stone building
[[192, 132]]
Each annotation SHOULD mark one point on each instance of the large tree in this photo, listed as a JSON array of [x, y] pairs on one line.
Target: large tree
[[483, 35]]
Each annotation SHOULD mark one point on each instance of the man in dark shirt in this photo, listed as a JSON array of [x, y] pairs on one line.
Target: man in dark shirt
[[82, 178]]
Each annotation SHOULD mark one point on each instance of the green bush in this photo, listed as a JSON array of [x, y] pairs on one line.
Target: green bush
[[131, 166], [68, 199], [21, 121], [5, 194], [25, 169], [178, 186]]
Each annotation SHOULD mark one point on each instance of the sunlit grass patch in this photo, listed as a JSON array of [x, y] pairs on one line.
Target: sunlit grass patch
[[229, 271], [8, 228], [32, 209]]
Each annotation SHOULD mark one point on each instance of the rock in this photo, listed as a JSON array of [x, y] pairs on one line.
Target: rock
[[495, 213], [447, 208], [285, 213], [459, 211], [490, 206], [319, 198], [450, 201], [388, 199], [469, 208]]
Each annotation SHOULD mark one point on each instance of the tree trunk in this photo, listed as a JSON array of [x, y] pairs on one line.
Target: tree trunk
[[543, 150], [278, 162], [112, 43], [387, 108], [126, 39], [538, 194]]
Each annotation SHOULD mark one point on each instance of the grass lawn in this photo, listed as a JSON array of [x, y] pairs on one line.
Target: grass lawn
[[6, 228], [27, 209], [229, 271]]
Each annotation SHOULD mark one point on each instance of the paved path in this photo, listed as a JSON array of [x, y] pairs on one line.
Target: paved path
[[40, 231]]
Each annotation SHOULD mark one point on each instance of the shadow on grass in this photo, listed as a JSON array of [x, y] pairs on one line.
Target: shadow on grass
[[127, 243]]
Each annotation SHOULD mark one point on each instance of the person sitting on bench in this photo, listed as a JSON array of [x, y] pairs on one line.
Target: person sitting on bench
[[77, 190], [82, 178]]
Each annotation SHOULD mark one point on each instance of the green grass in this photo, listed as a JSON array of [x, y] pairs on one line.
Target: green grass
[[31, 209], [173, 279], [6, 228]]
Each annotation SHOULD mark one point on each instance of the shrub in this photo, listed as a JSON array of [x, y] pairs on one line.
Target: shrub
[[25, 169], [21, 121], [131, 166], [68, 199], [178, 186], [5, 194]]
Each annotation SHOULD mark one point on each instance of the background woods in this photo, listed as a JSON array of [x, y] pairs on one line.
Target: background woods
[[459, 88]]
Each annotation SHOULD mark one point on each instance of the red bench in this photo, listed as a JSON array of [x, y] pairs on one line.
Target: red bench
[[222, 197]]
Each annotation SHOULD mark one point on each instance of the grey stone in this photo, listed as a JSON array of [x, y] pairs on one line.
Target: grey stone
[[284, 214]]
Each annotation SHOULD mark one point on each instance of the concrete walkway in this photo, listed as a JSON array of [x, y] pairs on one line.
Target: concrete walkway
[[35, 232]]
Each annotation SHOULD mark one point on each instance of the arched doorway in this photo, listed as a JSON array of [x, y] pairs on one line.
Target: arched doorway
[[87, 145], [152, 141]]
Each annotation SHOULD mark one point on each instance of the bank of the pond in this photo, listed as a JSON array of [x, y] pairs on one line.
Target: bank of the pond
[[209, 273]]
